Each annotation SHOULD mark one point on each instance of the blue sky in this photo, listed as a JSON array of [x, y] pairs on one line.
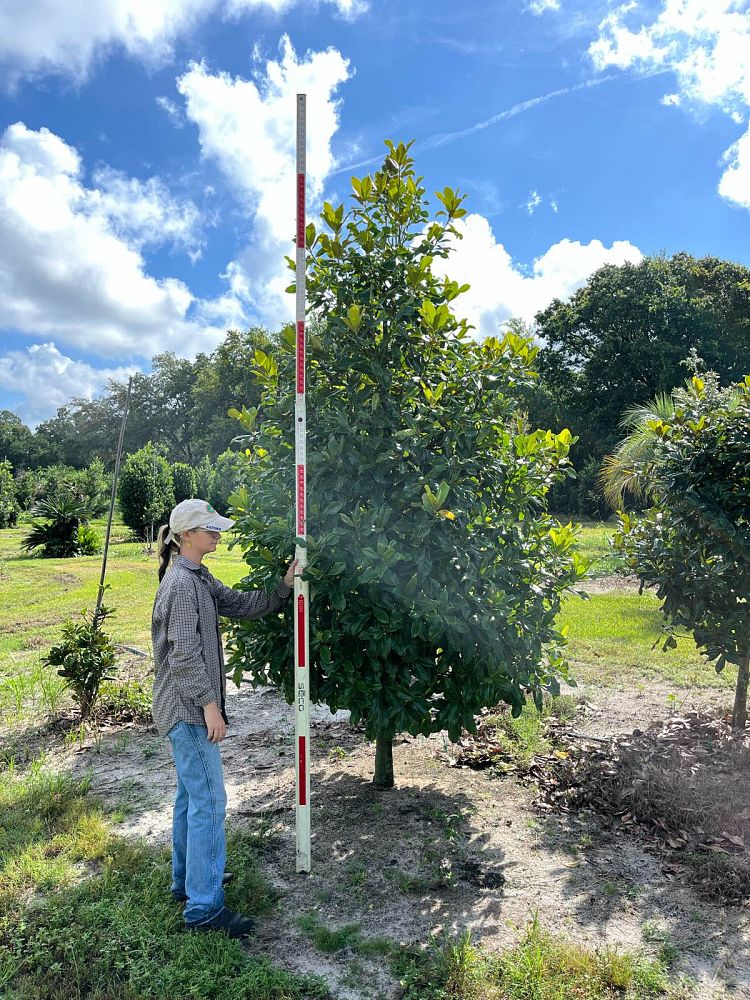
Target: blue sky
[[146, 156]]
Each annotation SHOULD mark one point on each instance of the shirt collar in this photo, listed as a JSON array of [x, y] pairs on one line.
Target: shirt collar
[[188, 564]]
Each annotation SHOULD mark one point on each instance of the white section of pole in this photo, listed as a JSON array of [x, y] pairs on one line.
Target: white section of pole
[[301, 588]]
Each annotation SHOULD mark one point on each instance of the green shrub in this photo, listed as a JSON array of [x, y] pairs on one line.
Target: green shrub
[[25, 487], [8, 497], [183, 477], [228, 476], [85, 657], [91, 485], [57, 534], [89, 541], [146, 491], [204, 477]]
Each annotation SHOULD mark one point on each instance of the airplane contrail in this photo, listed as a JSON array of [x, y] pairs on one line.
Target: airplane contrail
[[444, 138]]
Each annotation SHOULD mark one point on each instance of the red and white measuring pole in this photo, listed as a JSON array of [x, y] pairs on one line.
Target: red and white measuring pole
[[301, 587]]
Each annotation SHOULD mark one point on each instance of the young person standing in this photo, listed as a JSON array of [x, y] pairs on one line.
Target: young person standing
[[189, 703]]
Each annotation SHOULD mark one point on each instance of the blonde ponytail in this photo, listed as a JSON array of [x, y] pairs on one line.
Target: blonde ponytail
[[165, 550]]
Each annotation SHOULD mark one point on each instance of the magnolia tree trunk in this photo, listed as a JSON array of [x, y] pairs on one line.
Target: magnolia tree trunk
[[739, 715], [383, 763]]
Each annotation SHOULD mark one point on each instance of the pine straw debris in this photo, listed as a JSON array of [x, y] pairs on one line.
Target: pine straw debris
[[682, 787]]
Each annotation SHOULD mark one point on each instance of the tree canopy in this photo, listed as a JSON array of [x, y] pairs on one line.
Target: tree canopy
[[621, 339], [436, 575], [691, 456]]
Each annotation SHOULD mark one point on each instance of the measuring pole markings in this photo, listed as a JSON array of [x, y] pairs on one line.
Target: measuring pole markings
[[301, 588]]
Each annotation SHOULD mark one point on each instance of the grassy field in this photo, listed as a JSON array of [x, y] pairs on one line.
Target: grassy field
[[38, 595], [610, 635], [593, 542]]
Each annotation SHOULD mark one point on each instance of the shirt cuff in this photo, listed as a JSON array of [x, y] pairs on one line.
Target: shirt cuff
[[282, 590]]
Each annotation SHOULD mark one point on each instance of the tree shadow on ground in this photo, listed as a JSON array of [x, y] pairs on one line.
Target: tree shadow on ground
[[613, 879], [404, 861]]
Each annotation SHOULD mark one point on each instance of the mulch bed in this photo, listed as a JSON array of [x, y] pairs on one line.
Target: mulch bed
[[682, 787]]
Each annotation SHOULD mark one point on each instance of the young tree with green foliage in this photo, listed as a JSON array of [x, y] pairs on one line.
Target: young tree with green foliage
[[229, 472], [204, 477], [183, 477], [436, 575], [145, 490], [94, 486], [9, 508], [85, 657], [691, 456]]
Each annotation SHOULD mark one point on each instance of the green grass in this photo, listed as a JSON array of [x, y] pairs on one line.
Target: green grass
[[593, 542], [85, 913], [610, 638], [49, 831], [346, 938], [540, 967], [40, 594], [523, 738], [611, 634]]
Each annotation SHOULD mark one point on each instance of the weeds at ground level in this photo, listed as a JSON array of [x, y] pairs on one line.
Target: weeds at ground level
[[505, 743], [540, 967], [84, 913]]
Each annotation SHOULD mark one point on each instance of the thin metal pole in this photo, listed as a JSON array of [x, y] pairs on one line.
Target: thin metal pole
[[113, 495], [301, 587]]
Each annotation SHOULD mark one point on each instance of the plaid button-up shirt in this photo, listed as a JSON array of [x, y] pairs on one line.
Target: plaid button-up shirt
[[188, 654]]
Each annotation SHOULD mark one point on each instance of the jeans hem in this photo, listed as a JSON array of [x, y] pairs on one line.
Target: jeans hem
[[200, 923]]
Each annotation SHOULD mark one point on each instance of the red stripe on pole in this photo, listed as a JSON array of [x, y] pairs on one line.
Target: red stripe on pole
[[300, 210], [300, 356], [302, 771], [300, 500], [300, 631]]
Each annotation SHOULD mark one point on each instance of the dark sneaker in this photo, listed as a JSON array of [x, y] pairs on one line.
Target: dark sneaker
[[226, 879], [231, 923]]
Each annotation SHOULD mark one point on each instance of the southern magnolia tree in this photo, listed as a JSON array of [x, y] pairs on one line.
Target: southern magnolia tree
[[691, 456], [435, 573]]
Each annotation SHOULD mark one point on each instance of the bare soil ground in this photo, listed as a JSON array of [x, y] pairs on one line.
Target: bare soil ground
[[449, 848]]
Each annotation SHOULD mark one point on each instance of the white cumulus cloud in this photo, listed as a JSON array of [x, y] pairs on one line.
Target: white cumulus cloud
[[145, 212], [706, 43], [47, 36], [67, 272], [735, 182], [248, 127], [539, 7], [501, 289], [49, 379]]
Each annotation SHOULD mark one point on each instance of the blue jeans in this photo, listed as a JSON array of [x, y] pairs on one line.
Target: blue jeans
[[198, 840]]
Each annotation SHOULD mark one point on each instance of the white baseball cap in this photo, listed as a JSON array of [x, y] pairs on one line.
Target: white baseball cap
[[195, 514]]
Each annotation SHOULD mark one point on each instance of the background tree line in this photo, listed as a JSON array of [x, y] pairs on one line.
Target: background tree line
[[617, 343]]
